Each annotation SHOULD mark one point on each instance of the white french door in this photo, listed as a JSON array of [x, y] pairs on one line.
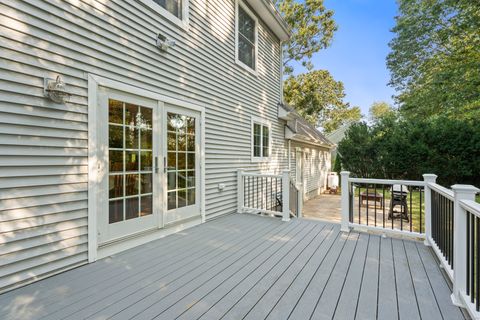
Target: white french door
[[182, 163], [149, 161]]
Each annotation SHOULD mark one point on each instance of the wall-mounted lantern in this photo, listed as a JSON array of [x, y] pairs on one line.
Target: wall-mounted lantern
[[163, 43], [56, 90]]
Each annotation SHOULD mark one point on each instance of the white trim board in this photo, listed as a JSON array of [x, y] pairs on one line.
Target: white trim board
[[182, 23], [94, 166]]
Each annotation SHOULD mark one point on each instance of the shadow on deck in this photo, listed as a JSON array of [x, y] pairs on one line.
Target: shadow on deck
[[248, 267]]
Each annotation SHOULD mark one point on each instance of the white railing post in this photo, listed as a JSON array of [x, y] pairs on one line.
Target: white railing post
[[240, 191], [286, 195], [300, 200], [345, 201], [460, 192], [428, 178]]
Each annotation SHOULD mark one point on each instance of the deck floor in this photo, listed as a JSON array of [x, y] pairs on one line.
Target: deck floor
[[248, 267]]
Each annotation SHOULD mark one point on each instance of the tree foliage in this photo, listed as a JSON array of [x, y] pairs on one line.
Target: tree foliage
[[312, 28], [435, 58], [320, 99], [398, 148], [380, 110]]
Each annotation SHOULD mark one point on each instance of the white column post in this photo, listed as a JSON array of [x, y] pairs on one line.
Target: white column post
[[240, 191], [428, 178], [345, 201], [286, 195], [460, 192]]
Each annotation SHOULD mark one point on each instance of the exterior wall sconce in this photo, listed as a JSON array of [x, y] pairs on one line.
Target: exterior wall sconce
[[56, 90], [163, 43]]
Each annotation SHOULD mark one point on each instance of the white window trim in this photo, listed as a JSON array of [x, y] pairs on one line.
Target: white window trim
[[252, 15], [268, 124], [181, 23]]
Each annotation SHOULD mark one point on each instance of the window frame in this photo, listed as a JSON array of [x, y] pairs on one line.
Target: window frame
[[262, 123], [238, 4], [182, 23]]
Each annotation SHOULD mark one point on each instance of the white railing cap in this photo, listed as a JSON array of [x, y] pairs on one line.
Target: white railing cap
[[442, 190], [388, 181], [465, 188], [471, 206]]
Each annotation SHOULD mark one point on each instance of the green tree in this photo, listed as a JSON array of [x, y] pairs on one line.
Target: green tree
[[312, 28], [400, 148], [320, 99], [379, 110], [435, 58]]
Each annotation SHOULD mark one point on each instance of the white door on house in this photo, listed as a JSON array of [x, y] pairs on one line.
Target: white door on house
[[149, 164], [182, 163]]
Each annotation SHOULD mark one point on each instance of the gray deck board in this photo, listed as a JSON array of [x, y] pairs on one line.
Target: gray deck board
[[248, 267], [437, 280], [233, 296], [287, 302], [347, 305], [367, 301], [327, 303], [387, 296], [406, 296], [423, 289], [161, 280]]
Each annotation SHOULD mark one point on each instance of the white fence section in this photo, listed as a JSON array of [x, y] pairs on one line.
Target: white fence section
[[269, 194], [451, 220]]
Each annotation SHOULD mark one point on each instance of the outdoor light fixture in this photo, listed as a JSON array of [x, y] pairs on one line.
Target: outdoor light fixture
[[163, 43], [56, 90]]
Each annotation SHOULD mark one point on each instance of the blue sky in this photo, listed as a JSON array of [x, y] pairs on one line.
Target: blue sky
[[360, 46]]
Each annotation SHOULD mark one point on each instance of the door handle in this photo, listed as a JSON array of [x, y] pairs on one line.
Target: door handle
[[164, 164], [156, 164]]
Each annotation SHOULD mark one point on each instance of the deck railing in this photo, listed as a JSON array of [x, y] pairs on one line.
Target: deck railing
[[270, 194], [394, 205], [442, 224], [448, 220]]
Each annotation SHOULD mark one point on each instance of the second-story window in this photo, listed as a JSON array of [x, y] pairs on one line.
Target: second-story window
[[172, 6], [246, 42]]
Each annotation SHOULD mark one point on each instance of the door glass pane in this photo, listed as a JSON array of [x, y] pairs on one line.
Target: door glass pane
[[131, 208], [115, 211], [130, 161], [146, 207], [115, 186], [115, 136], [181, 160]]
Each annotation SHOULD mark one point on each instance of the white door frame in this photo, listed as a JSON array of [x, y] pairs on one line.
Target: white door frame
[[95, 167]]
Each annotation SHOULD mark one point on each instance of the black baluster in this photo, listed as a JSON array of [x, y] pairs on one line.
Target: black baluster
[[468, 253], [411, 207], [375, 201], [420, 191], [383, 204], [477, 277]]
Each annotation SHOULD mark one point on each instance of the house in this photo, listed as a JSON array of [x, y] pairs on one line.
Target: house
[[125, 121], [310, 152]]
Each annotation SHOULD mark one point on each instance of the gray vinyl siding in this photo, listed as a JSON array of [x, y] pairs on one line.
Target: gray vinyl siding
[[44, 146], [316, 167]]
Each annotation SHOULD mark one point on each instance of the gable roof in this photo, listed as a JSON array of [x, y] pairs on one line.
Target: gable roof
[[338, 135], [266, 10], [301, 130]]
